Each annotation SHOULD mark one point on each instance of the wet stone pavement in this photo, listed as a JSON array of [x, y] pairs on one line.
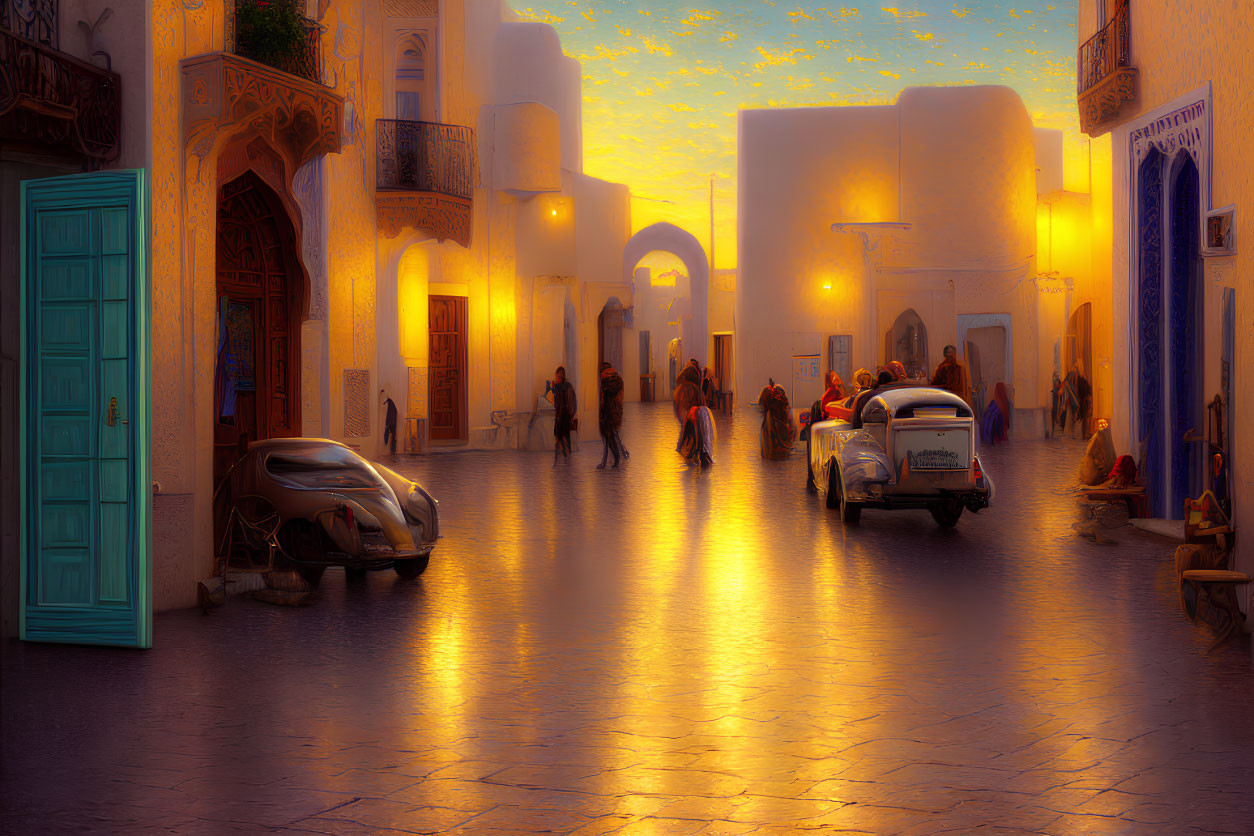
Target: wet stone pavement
[[664, 650]]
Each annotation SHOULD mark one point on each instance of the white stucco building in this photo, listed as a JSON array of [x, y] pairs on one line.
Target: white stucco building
[[870, 234]]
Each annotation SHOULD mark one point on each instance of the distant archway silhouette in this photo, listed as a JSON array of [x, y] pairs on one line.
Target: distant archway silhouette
[[667, 237]]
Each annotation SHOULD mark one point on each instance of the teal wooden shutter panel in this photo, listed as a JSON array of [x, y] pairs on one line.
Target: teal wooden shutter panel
[[86, 506]]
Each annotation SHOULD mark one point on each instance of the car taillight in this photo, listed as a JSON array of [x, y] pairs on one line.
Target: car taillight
[[975, 467], [346, 512]]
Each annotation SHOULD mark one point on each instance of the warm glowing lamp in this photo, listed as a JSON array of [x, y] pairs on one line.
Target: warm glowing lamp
[[553, 213], [827, 285]]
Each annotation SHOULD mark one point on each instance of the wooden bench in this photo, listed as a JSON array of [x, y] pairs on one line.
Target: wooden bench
[[1219, 588], [1134, 498]]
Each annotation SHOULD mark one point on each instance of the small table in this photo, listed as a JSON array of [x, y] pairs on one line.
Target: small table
[[1220, 587]]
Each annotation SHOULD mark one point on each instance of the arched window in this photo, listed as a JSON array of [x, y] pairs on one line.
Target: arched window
[[411, 82]]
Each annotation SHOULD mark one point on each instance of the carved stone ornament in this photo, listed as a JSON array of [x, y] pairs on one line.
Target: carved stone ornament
[[444, 216], [226, 94], [1101, 104]]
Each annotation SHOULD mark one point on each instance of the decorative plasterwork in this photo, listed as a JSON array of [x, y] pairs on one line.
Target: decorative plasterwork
[[224, 94], [411, 8], [1102, 104], [444, 216]]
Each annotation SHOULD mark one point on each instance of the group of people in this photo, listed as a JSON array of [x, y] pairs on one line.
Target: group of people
[[610, 414]]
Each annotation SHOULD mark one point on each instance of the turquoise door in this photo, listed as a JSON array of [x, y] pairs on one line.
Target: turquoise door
[[86, 505]]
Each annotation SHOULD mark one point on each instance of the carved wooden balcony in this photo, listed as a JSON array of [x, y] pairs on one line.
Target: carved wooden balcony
[[224, 94], [425, 178], [50, 100], [1106, 81]]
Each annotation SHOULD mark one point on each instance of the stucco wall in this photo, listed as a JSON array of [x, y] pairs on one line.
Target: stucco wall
[[1179, 47], [958, 164]]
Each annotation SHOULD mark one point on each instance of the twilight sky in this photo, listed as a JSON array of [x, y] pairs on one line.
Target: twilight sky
[[662, 82]]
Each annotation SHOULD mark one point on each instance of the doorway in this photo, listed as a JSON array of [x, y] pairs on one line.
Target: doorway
[[447, 362], [723, 362], [610, 336], [906, 342], [260, 296], [1185, 359]]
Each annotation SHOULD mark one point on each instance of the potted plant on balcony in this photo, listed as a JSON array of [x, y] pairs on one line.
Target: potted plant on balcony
[[274, 32]]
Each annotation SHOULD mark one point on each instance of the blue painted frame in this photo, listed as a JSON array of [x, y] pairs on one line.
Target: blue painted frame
[[127, 188]]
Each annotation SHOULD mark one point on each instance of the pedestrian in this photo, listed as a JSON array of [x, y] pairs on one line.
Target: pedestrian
[[611, 413], [778, 431], [389, 422], [885, 380], [1077, 400], [565, 404], [952, 375]]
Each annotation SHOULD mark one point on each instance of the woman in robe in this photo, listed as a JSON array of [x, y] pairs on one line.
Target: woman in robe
[[996, 424], [778, 431]]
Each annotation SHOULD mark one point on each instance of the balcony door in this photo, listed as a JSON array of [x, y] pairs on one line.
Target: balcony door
[[447, 367]]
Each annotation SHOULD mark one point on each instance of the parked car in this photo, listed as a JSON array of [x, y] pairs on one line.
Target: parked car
[[313, 503], [915, 449]]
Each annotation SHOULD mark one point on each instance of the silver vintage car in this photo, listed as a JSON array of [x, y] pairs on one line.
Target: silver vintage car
[[915, 449], [310, 503]]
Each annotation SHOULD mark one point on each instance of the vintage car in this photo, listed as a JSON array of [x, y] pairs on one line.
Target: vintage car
[[915, 449], [309, 503]]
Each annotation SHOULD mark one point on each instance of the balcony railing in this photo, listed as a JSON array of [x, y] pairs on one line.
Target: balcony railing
[[299, 54], [425, 157], [34, 20], [1104, 53], [52, 100]]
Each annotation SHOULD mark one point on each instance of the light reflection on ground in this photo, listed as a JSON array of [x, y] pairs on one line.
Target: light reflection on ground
[[662, 649]]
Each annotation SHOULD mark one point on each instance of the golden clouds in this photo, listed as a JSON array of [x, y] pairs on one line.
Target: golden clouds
[[696, 17], [541, 16], [623, 30], [956, 13], [776, 58], [909, 14], [890, 74], [728, 37]]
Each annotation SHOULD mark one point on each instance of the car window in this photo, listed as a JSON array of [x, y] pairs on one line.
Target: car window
[[321, 467]]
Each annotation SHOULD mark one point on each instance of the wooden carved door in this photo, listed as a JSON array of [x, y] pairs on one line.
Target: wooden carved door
[[447, 361], [256, 386]]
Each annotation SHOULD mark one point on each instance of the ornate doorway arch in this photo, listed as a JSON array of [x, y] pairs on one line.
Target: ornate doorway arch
[[260, 304]]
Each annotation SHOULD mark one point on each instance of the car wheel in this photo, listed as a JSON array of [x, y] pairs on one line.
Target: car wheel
[[352, 573], [413, 567], [946, 513], [810, 486], [312, 574], [850, 512], [834, 491]]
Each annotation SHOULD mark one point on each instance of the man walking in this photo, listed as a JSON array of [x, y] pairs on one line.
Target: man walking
[[952, 375]]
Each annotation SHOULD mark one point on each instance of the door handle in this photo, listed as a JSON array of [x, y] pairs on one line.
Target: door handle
[[113, 415]]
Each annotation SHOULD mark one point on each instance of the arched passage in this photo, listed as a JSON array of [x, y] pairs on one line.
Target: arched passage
[[260, 305], [906, 342], [669, 238]]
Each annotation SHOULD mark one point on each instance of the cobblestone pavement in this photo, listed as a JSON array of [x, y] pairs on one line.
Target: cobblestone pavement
[[663, 650]]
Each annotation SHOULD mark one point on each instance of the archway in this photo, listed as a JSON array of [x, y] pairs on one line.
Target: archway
[[906, 342], [669, 238], [260, 304], [1184, 308]]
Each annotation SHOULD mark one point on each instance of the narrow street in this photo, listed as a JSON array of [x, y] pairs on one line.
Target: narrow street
[[662, 650]]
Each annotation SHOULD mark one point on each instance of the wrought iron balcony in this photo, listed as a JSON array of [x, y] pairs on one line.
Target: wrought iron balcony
[[49, 99], [425, 178], [425, 157], [298, 53], [1105, 77], [34, 20]]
